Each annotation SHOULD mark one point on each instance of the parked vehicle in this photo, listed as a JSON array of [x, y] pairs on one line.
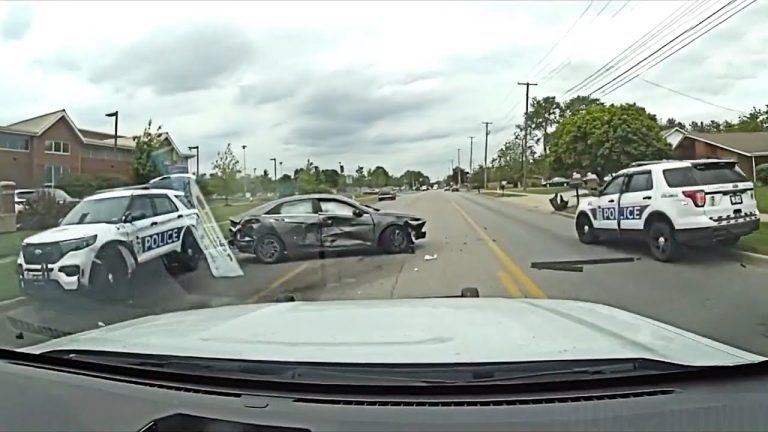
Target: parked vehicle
[[387, 193]]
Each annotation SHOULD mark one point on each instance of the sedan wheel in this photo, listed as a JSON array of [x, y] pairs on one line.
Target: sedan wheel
[[269, 249], [395, 239]]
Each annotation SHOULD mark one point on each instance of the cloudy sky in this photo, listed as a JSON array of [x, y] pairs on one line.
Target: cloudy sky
[[397, 84]]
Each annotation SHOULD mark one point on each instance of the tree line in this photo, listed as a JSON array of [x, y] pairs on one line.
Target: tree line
[[586, 135]]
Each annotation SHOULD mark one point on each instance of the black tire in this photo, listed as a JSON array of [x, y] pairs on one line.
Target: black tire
[[191, 253], [730, 241], [109, 277], [283, 298], [586, 230], [470, 292], [269, 249], [395, 239], [662, 243]]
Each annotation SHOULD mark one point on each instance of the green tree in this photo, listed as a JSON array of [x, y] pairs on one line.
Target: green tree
[[147, 143], [330, 178], [226, 167], [360, 176], [543, 116], [379, 177], [413, 178], [579, 103], [604, 139]]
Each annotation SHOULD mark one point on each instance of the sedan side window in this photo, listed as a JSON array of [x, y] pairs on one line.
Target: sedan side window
[[297, 207], [336, 207]]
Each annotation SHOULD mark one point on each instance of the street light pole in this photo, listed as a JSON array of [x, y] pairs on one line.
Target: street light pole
[[458, 164], [197, 160], [281, 167], [274, 163], [115, 115], [471, 140], [245, 183]]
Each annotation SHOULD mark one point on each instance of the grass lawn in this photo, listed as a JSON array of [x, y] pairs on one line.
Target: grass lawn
[[8, 285], [757, 241], [10, 243], [542, 190], [498, 194], [761, 194], [222, 213]]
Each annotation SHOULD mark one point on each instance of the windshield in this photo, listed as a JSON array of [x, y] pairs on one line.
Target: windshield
[[102, 210], [389, 183]]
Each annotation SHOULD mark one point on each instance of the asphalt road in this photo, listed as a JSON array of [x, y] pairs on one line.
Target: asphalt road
[[478, 241]]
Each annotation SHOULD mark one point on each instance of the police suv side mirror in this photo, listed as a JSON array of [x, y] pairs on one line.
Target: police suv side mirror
[[127, 217], [357, 213]]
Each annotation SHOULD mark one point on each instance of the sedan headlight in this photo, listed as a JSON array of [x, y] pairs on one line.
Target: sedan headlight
[[75, 245]]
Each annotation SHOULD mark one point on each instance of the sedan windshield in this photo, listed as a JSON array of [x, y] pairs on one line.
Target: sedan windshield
[[104, 210]]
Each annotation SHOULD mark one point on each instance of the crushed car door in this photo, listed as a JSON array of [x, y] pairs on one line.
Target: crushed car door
[[296, 223], [344, 225], [607, 204]]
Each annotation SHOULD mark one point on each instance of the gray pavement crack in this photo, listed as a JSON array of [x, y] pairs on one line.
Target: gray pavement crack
[[397, 278]]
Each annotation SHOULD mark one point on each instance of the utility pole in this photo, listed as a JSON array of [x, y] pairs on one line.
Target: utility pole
[[458, 165], [525, 132], [274, 163], [485, 159], [281, 167], [471, 139]]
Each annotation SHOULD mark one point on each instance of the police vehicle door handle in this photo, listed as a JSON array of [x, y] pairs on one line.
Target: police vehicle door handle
[[179, 216], [611, 200], [647, 197], [153, 224]]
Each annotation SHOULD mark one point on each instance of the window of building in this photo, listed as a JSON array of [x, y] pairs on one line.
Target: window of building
[[14, 142], [60, 147], [54, 173]]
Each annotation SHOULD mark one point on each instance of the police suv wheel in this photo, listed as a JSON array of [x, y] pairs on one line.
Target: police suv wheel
[[585, 229], [109, 274], [661, 240], [190, 252]]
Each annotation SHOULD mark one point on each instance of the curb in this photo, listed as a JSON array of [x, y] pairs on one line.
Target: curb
[[12, 303]]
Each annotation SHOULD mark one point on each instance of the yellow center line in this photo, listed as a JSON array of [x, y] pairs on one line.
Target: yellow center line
[[279, 281], [509, 284], [532, 290]]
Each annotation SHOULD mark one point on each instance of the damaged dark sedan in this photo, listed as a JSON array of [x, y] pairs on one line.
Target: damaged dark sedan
[[320, 223]]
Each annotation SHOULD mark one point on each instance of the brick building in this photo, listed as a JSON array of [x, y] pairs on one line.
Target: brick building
[[748, 149], [45, 148]]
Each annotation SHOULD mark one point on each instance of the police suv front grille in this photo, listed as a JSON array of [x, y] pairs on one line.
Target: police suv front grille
[[45, 253]]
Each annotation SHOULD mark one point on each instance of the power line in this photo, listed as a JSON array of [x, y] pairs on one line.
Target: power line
[[691, 97], [697, 37], [562, 37], [684, 32], [617, 60], [567, 61]]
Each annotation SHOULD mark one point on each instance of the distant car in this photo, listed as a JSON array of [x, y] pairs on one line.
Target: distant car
[[447, 188], [25, 197], [311, 224], [424, 188], [454, 188], [20, 198], [387, 193]]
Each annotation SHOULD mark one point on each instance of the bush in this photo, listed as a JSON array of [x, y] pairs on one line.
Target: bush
[[43, 212], [761, 173], [83, 185]]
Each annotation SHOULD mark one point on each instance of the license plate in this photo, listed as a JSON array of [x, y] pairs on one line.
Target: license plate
[[34, 276], [736, 199]]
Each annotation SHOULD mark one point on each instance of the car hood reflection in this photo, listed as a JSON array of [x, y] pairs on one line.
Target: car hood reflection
[[438, 330]]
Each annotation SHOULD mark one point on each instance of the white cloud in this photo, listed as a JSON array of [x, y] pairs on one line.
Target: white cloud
[[400, 84]]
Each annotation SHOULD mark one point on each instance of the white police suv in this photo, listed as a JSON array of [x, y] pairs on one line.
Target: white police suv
[[101, 241], [670, 204]]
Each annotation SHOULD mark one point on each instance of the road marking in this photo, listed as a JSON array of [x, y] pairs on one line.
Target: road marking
[[532, 290], [279, 281], [509, 284]]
